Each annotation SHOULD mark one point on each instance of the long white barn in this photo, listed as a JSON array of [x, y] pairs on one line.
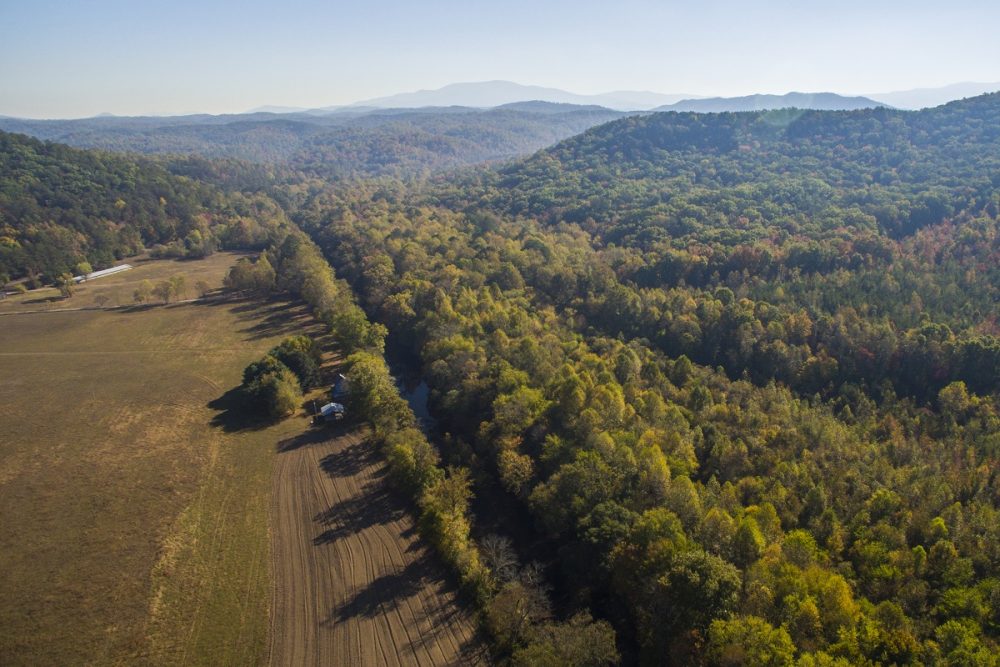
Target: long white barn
[[102, 273]]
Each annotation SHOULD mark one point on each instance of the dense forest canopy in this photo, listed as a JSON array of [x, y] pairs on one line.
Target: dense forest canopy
[[734, 377], [741, 371], [878, 226], [649, 177], [60, 206]]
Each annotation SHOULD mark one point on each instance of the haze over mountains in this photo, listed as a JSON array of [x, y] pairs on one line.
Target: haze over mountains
[[922, 98], [497, 93], [492, 94], [488, 94]]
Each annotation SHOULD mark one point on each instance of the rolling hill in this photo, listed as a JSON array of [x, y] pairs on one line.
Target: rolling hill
[[819, 101], [60, 206], [922, 98], [881, 161], [347, 143]]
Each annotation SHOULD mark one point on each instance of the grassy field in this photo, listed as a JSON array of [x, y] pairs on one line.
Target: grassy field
[[133, 496], [119, 289]]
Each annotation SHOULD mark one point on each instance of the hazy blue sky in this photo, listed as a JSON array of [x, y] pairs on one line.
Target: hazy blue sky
[[72, 59]]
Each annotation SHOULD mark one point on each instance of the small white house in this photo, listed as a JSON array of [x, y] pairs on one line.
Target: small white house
[[330, 412]]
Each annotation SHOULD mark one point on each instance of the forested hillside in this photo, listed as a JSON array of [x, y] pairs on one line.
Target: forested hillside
[[61, 206], [878, 227], [740, 371], [336, 145]]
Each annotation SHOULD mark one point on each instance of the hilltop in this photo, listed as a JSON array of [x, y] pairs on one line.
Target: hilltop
[[819, 101]]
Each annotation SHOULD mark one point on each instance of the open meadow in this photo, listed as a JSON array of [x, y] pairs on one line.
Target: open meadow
[[134, 498], [118, 290]]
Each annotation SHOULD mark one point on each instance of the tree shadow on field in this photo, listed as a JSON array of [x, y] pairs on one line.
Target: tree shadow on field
[[254, 306], [234, 414], [374, 506], [43, 299], [140, 307], [272, 319], [316, 434], [350, 460], [386, 592]]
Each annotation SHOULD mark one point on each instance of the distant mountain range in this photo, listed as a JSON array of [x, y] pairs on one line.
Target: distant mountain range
[[349, 142], [489, 94], [485, 94], [278, 109], [504, 94], [421, 132], [817, 101], [495, 94]]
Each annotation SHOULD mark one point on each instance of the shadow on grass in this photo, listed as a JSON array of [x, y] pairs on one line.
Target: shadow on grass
[[234, 414], [311, 406], [390, 594], [271, 318], [215, 298], [44, 299], [140, 307]]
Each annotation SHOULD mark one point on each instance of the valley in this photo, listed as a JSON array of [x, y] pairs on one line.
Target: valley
[[706, 389]]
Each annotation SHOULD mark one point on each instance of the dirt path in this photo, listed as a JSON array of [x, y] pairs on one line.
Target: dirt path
[[353, 584]]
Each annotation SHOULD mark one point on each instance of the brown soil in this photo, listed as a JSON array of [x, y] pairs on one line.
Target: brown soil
[[353, 583]]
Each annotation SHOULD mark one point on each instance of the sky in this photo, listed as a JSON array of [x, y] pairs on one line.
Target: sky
[[61, 59]]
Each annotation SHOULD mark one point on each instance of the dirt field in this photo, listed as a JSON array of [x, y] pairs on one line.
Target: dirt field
[[353, 585]]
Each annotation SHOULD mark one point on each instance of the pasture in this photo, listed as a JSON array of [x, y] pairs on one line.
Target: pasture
[[118, 290], [134, 498]]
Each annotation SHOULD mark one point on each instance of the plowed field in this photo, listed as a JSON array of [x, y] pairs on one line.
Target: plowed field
[[353, 584]]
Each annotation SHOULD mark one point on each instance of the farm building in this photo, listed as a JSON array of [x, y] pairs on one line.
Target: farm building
[[330, 412], [102, 273], [341, 388]]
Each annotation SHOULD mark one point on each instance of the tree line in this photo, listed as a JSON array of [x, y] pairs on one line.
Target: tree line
[[512, 600]]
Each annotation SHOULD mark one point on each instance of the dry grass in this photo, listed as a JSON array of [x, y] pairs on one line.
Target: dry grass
[[135, 516], [117, 290]]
